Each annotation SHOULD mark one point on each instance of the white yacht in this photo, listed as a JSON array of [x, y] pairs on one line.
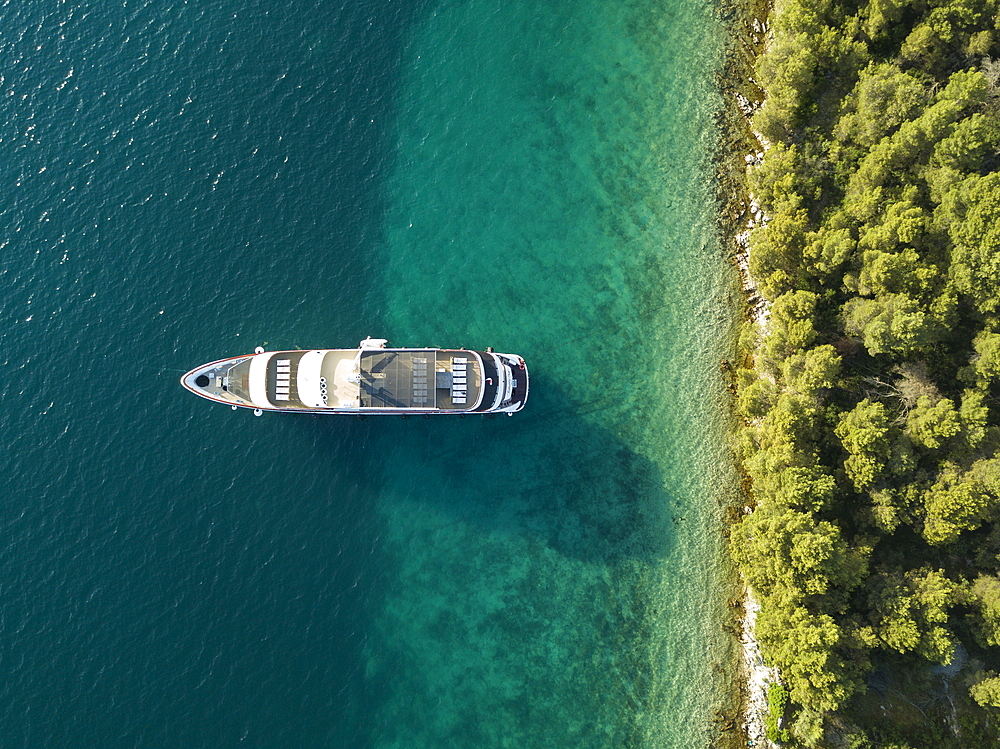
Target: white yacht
[[370, 379]]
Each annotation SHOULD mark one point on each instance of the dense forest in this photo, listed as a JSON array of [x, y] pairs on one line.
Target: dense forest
[[870, 404]]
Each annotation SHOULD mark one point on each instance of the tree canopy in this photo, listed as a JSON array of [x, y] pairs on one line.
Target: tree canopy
[[870, 408]]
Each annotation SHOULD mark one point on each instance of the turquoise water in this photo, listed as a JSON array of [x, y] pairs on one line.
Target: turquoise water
[[550, 198], [186, 180]]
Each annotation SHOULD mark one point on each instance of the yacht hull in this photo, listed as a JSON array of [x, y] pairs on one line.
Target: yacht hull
[[372, 379]]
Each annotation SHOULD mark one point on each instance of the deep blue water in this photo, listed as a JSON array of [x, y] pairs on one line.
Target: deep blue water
[[185, 180]]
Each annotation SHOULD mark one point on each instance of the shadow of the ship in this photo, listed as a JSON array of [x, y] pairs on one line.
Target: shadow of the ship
[[549, 474]]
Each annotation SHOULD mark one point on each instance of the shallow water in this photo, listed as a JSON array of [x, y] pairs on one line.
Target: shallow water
[[549, 198]]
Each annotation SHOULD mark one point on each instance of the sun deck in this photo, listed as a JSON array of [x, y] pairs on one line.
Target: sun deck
[[361, 379], [313, 379], [441, 379]]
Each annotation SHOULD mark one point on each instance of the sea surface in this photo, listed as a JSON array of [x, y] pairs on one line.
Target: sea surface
[[184, 180]]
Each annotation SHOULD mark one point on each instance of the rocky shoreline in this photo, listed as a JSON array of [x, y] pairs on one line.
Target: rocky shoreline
[[757, 677], [739, 149]]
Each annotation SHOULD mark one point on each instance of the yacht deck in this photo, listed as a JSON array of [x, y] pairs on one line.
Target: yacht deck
[[398, 379], [444, 379]]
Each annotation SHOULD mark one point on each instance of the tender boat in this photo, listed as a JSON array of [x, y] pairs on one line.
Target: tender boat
[[370, 379]]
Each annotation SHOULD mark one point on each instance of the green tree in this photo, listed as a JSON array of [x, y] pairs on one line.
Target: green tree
[[892, 323], [885, 273], [756, 395], [826, 250], [986, 362], [975, 265], [891, 162], [808, 488], [987, 692], [786, 553], [908, 611], [892, 505], [947, 28], [986, 473], [883, 191], [787, 70], [924, 47], [787, 179], [791, 326], [866, 433], [809, 727], [881, 16], [932, 424], [957, 501], [941, 182], [808, 371], [776, 249], [986, 597], [969, 143], [883, 99], [974, 415], [784, 437], [777, 702], [805, 647], [902, 222]]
